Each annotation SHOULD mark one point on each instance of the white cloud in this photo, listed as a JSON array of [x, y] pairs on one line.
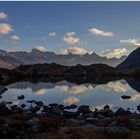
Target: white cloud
[[15, 37], [75, 89], [40, 48], [52, 34], [70, 33], [5, 28], [116, 86], [71, 40], [114, 52], [98, 32], [74, 50], [71, 100], [134, 42], [3, 15]]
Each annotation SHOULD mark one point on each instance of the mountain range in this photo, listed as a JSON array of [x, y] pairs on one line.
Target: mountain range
[[11, 60]]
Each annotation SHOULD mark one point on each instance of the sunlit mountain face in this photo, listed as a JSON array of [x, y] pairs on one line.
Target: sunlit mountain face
[[67, 93]]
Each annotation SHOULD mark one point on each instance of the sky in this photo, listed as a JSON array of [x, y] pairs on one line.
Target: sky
[[110, 29]]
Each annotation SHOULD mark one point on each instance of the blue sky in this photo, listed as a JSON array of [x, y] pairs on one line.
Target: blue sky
[[108, 28]]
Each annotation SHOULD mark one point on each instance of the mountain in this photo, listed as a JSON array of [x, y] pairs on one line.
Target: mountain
[[11, 60], [132, 61]]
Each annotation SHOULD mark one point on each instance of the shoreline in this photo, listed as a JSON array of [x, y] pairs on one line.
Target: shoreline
[[56, 121]]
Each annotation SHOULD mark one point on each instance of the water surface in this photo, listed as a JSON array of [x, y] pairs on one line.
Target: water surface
[[67, 93]]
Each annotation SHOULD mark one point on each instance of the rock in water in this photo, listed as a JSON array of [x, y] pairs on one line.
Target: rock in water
[[125, 97]]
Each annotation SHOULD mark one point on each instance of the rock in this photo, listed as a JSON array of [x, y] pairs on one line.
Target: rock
[[138, 108], [53, 105], [125, 97], [72, 122], [85, 115], [23, 105], [106, 107], [70, 107], [84, 109], [121, 112], [39, 103], [35, 109], [56, 111], [69, 114], [9, 103], [21, 97], [46, 109], [13, 107], [31, 101], [61, 107]]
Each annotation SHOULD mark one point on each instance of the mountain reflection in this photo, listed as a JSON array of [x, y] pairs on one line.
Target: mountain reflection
[[40, 88]]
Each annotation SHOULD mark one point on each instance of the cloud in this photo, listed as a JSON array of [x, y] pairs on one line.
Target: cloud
[[40, 48], [5, 28], [71, 100], [52, 34], [70, 33], [41, 91], [71, 40], [15, 37], [98, 32], [134, 42], [3, 15], [116, 86], [114, 52], [74, 50], [75, 89]]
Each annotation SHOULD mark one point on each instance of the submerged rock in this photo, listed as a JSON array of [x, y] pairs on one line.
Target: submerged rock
[[125, 97]]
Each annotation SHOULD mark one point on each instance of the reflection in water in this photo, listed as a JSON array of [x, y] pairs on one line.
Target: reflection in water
[[87, 93], [135, 97], [71, 100], [76, 89], [116, 86]]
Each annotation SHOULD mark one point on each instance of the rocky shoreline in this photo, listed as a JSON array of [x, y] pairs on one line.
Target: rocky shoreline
[[59, 121]]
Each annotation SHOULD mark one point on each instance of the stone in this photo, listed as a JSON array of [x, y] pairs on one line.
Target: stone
[[23, 105], [70, 107], [21, 97], [39, 103], [61, 107], [125, 97], [85, 115], [31, 101], [121, 112], [69, 114], [84, 109], [53, 105], [106, 107]]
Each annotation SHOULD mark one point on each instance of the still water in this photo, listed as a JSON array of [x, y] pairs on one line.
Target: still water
[[67, 93]]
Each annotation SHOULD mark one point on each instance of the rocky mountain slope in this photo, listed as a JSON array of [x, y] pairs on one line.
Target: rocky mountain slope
[[132, 61], [13, 59]]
